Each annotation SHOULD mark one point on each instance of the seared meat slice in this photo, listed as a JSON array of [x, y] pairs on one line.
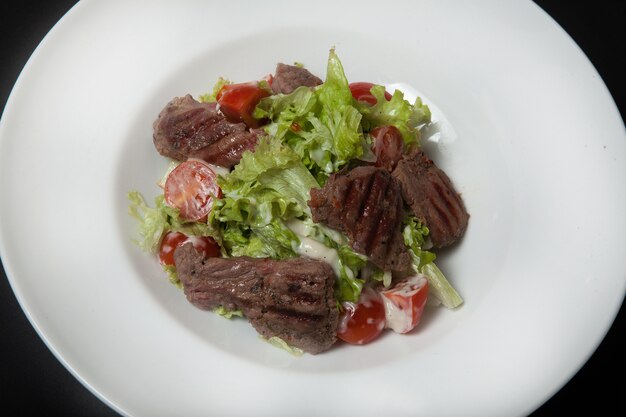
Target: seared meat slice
[[186, 128], [366, 205], [227, 152], [292, 298], [185, 125], [289, 77], [431, 196]]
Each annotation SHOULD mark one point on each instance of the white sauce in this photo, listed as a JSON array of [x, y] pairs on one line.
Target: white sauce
[[316, 250], [311, 247], [298, 227], [397, 319], [345, 318]]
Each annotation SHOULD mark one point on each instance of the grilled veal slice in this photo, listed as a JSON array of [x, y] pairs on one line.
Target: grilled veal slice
[[429, 193], [292, 298], [365, 204]]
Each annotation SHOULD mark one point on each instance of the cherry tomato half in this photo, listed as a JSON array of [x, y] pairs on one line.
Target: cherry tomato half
[[364, 321], [404, 303], [237, 102], [361, 92], [388, 146], [190, 188], [203, 244]]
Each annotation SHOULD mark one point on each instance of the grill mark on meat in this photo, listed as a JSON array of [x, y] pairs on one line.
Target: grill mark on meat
[[228, 151], [370, 214], [355, 204], [454, 199], [381, 237], [220, 129], [294, 315], [429, 193], [438, 212], [186, 128], [444, 205], [341, 193], [351, 206], [292, 299], [397, 239], [444, 199]]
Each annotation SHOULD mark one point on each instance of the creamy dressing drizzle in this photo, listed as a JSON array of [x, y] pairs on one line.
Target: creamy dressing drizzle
[[397, 319], [367, 298], [311, 247], [345, 318]]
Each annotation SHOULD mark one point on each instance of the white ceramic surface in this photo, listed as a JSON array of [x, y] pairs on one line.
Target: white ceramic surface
[[532, 140]]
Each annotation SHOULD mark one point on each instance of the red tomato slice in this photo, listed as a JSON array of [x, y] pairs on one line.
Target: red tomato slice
[[364, 321], [404, 303], [237, 102], [388, 146], [361, 92], [190, 188], [203, 244]]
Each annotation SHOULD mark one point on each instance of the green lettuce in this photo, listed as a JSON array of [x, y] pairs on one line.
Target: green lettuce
[[439, 286], [212, 97], [321, 125], [415, 235], [227, 314], [271, 172], [349, 263], [281, 344], [269, 186], [154, 222], [288, 112], [383, 277], [396, 112]]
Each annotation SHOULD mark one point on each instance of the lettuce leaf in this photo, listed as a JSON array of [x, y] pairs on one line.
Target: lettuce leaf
[[346, 263], [396, 112], [273, 240], [272, 172], [439, 286], [415, 235], [227, 314], [350, 263], [281, 344], [212, 97], [338, 123], [269, 186], [286, 110], [321, 125], [335, 91], [154, 222]]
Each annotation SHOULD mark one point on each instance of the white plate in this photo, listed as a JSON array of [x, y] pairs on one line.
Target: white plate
[[535, 144]]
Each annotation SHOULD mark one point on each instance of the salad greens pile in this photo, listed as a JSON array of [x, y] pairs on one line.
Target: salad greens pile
[[312, 133]]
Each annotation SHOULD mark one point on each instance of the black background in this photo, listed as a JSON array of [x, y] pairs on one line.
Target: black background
[[33, 382]]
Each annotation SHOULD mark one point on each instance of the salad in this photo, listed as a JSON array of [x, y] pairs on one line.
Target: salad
[[315, 192]]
